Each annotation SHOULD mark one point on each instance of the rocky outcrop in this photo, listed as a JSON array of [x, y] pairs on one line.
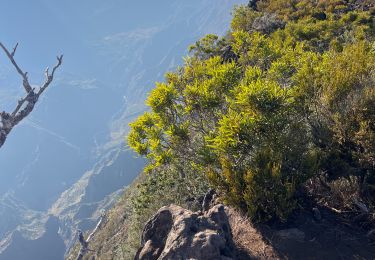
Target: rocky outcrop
[[177, 233]]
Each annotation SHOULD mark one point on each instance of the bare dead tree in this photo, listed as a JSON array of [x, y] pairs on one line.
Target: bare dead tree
[[26, 104], [85, 242]]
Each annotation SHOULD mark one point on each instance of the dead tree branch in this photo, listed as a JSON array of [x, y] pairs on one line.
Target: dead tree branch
[[26, 104], [85, 242]]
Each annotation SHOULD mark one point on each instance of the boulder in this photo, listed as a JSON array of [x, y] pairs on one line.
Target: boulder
[[177, 233]]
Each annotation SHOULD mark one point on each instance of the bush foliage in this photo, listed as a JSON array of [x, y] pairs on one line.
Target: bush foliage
[[297, 101]]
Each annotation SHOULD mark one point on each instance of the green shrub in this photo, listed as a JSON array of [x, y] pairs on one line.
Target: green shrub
[[297, 102]]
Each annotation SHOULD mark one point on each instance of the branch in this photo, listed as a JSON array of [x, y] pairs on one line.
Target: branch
[[26, 83], [19, 105], [49, 77], [85, 243], [26, 104], [14, 50]]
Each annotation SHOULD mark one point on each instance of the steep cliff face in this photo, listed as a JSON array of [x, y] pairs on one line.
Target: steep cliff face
[[73, 163], [80, 206]]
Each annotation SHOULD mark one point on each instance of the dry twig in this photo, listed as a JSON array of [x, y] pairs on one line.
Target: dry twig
[[85, 242]]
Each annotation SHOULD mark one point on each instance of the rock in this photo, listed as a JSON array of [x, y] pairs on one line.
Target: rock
[[268, 23], [178, 233], [155, 234]]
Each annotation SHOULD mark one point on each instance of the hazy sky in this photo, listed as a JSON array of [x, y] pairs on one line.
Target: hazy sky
[[114, 51]]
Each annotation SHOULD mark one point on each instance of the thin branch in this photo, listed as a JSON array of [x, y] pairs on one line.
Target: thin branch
[[49, 77], [14, 50], [85, 242], [26, 83], [19, 105]]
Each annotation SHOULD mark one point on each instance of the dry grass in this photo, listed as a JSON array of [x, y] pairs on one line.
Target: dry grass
[[247, 239], [341, 195]]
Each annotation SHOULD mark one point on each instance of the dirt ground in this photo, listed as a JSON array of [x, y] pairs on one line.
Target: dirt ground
[[303, 237]]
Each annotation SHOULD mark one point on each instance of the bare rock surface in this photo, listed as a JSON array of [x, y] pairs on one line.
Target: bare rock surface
[[177, 233]]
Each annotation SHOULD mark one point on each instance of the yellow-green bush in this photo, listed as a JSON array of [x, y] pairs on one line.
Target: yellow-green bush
[[297, 101]]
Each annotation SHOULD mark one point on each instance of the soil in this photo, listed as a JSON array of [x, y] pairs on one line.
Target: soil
[[306, 236]]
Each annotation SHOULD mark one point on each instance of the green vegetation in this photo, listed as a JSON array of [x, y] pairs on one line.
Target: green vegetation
[[294, 101], [280, 108]]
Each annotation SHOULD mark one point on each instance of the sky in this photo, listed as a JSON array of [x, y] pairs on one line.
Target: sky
[[114, 51]]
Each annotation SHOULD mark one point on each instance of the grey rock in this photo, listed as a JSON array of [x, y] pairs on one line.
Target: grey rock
[[178, 233], [267, 23]]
